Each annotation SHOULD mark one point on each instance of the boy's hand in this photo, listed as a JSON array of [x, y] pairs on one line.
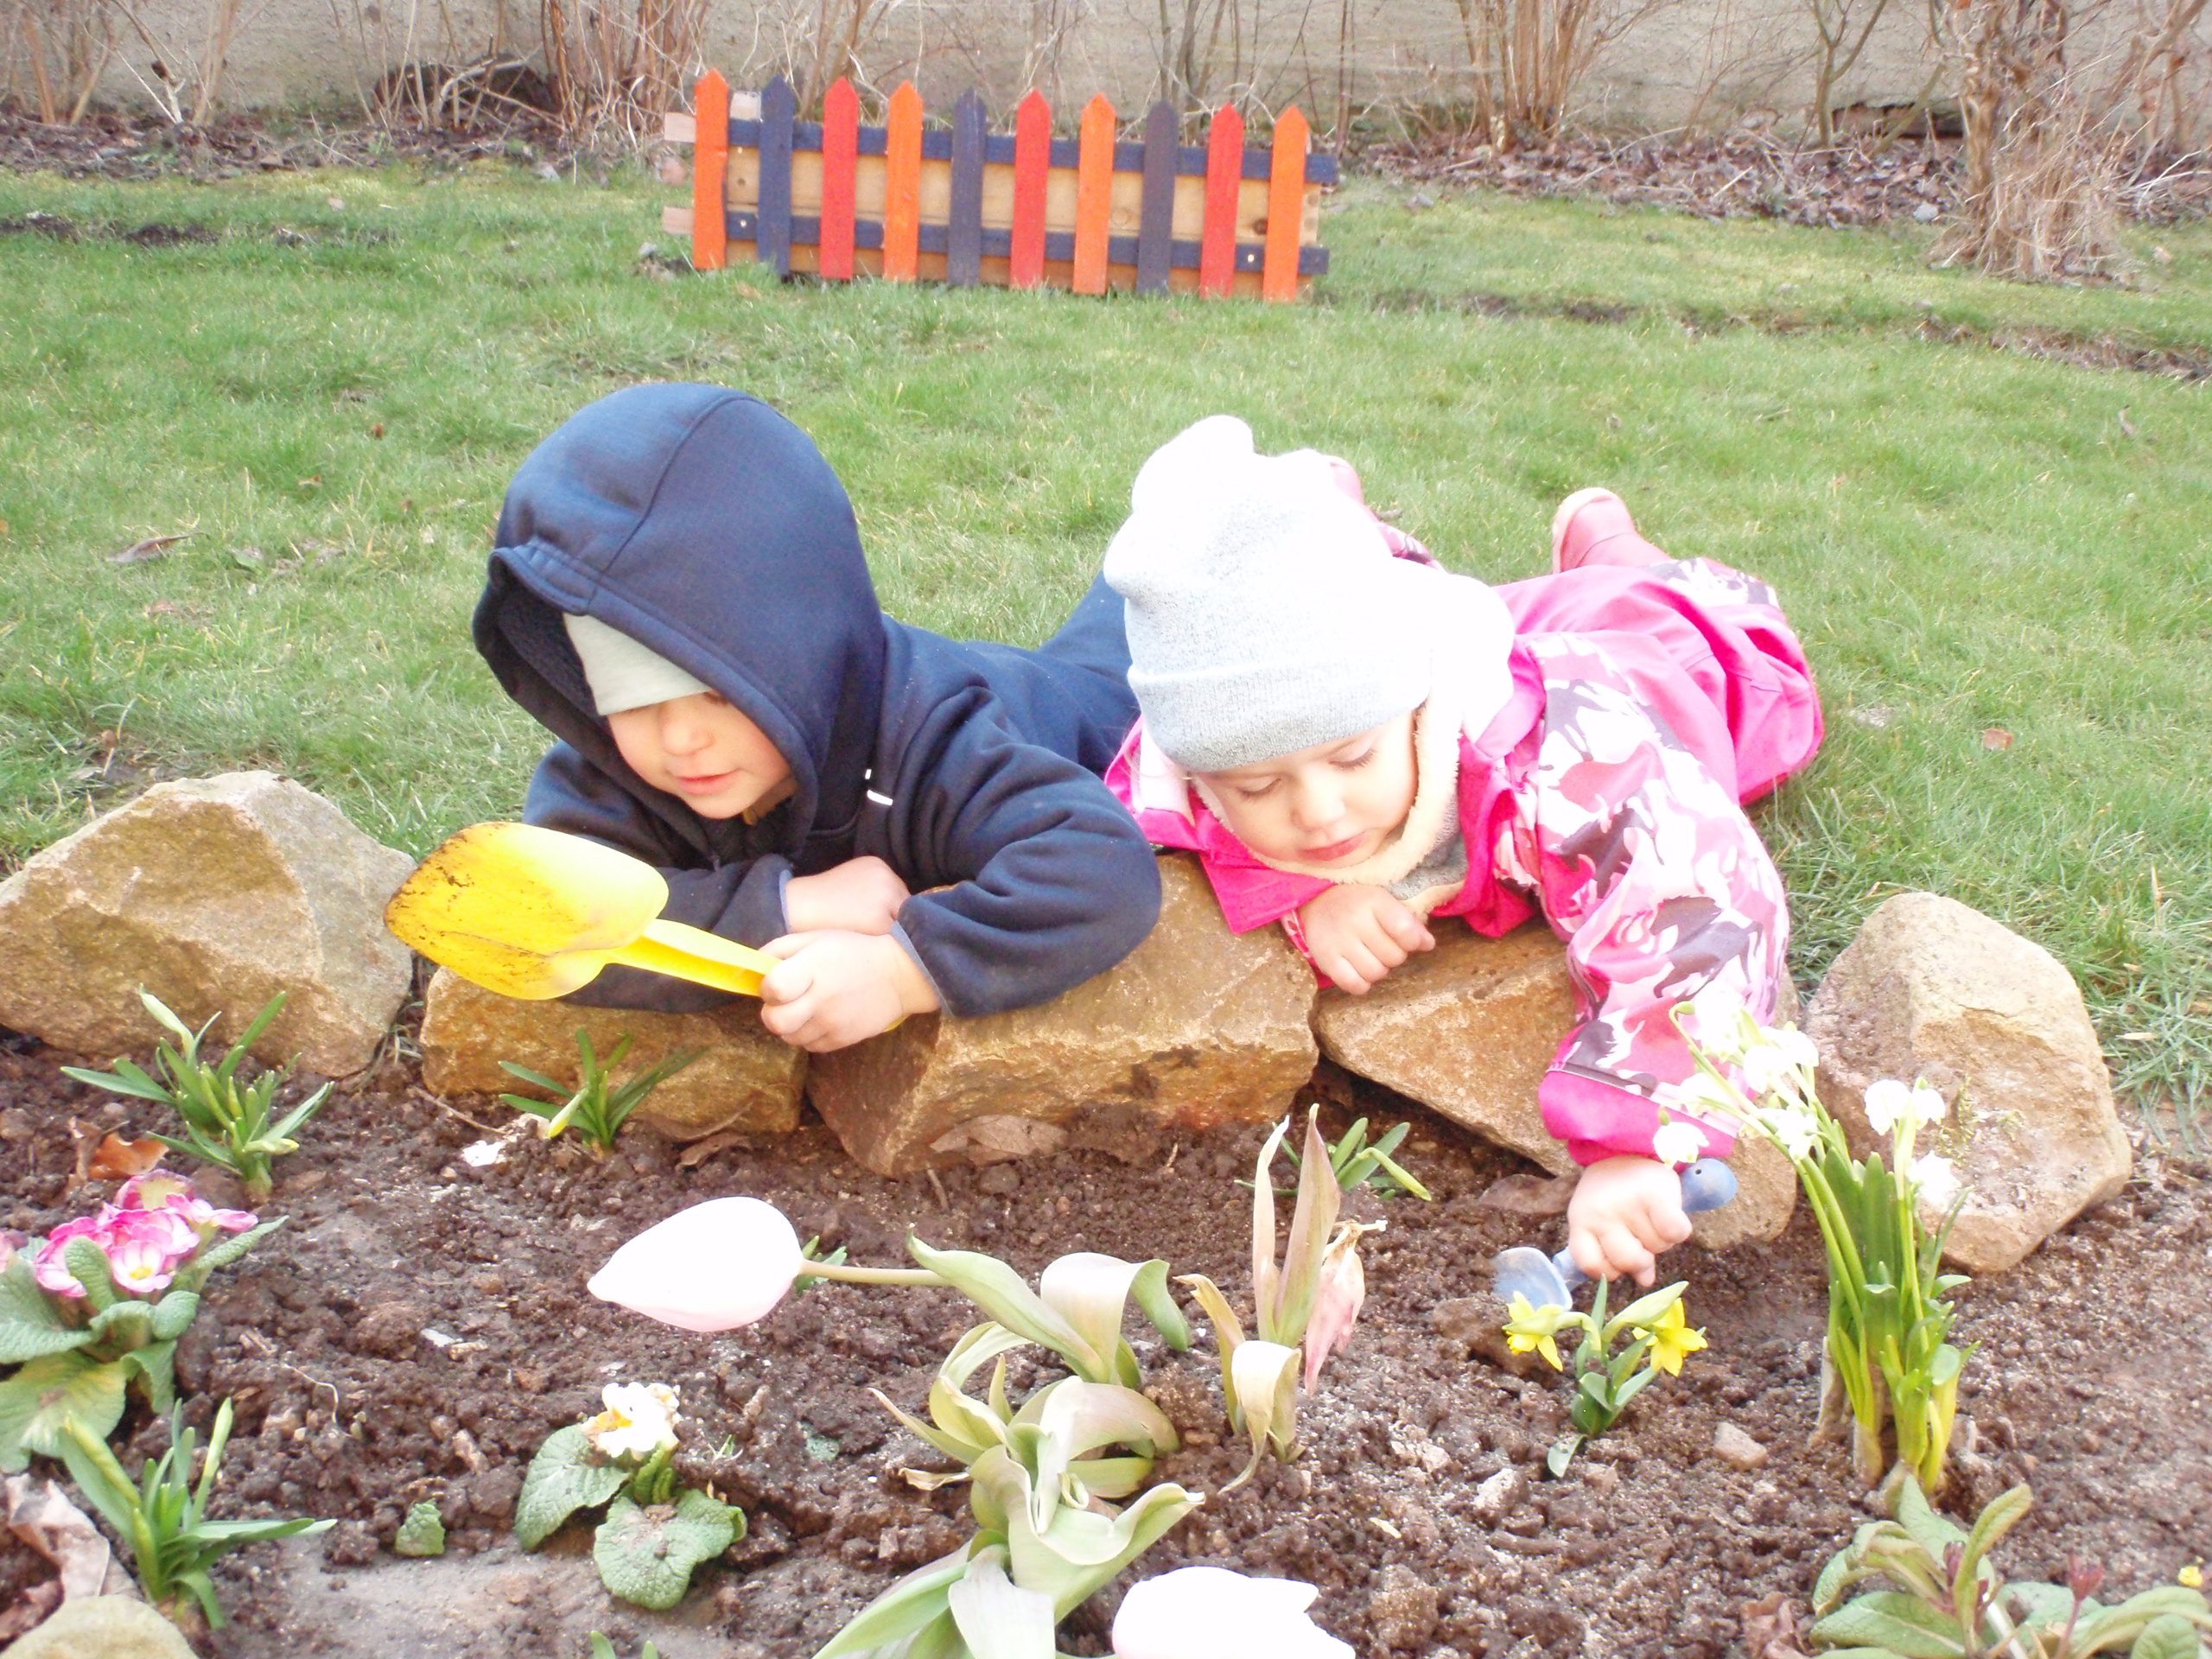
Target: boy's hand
[[862, 895], [1625, 1211], [1356, 935], [838, 988]]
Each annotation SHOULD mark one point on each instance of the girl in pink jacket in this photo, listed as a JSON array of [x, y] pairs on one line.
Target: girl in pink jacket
[[1356, 742]]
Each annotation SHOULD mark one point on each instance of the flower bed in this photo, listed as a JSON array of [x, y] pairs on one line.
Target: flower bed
[[420, 1327]]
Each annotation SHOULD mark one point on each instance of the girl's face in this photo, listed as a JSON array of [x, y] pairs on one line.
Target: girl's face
[[1333, 803]]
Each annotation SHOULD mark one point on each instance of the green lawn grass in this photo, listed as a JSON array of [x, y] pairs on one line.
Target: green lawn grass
[[331, 394]]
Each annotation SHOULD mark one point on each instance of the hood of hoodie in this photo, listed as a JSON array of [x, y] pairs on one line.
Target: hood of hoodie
[[708, 528]]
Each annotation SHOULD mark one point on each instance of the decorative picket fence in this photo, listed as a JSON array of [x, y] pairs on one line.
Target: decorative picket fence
[[966, 206]]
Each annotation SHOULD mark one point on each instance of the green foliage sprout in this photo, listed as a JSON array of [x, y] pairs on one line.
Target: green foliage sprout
[[1357, 1162], [1949, 1599], [163, 1516], [598, 1107], [225, 1122], [1605, 1382]]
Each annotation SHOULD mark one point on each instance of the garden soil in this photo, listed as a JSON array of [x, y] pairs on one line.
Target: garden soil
[[422, 1324]]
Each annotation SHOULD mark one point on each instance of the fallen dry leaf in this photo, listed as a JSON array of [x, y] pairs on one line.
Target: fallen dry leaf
[[153, 547], [118, 1159], [177, 607], [1770, 1628], [1530, 1195], [1995, 738], [32, 1608], [87, 1137], [56, 1528], [699, 1150]]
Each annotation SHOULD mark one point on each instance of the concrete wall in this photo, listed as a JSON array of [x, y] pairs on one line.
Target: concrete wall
[[1681, 61]]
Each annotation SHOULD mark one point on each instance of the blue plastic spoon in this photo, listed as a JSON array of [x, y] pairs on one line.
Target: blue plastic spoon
[[1552, 1281]]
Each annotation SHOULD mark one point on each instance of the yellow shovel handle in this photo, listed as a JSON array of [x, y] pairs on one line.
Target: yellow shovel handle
[[692, 953]]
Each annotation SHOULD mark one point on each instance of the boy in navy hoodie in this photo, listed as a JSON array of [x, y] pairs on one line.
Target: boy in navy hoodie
[[909, 822]]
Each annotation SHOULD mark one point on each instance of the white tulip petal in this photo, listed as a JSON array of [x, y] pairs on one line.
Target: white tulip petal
[[715, 1267], [1209, 1612]]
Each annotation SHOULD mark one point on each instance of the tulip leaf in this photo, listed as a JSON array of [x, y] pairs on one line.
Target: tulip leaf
[[1091, 1293], [564, 1477], [1266, 1281], [997, 1617], [1000, 1292], [646, 1555], [1081, 1549], [906, 1608], [1265, 1377], [1312, 1220], [49, 1392], [951, 1445], [1150, 1289]]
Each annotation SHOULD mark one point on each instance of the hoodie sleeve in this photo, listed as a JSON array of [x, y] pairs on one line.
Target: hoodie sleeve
[[742, 901], [1037, 879]]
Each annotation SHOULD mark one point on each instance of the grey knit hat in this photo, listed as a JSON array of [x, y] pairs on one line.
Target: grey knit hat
[[1266, 613]]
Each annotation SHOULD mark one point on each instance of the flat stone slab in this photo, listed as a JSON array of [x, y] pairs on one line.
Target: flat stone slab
[[1195, 1028], [213, 893], [1469, 1030], [745, 1080]]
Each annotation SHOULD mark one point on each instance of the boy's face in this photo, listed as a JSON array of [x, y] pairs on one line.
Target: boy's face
[[705, 751], [1333, 803]]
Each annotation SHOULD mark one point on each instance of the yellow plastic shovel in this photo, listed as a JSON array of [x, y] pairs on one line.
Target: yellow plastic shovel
[[534, 913]]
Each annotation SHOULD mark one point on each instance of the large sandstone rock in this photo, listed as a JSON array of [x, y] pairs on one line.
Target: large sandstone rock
[[745, 1079], [1933, 990], [1198, 1027], [213, 893], [103, 1627], [1469, 1028]]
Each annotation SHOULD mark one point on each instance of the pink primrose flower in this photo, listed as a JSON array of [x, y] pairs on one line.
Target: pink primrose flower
[[140, 1267], [49, 1266], [163, 1231]]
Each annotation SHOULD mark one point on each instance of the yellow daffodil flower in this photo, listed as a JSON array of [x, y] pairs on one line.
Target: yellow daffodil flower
[[1672, 1339], [1531, 1329]]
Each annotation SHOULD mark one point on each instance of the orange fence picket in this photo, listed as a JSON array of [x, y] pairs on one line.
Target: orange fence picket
[[1094, 196], [709, 165], [1096, 212], [902, 185], [1032, 161], [841, 148], [1225, 178], [1286, 208]]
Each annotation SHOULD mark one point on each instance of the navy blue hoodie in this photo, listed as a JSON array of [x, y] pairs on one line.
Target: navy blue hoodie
[[708, 527]]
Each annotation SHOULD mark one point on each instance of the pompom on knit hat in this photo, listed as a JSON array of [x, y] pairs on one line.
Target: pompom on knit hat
[[1267, 614], [622, 673]]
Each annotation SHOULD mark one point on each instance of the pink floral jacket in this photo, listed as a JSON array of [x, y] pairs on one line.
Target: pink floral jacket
[[1647, 705]]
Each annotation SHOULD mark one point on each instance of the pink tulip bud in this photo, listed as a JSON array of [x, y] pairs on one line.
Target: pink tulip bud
[[1210, 1612], [715, 1267], [1339, 1290]]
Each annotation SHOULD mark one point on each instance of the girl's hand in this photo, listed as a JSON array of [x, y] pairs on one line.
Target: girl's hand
[[1625, 1211], [1356, 935], [862, 895], [833, 990]]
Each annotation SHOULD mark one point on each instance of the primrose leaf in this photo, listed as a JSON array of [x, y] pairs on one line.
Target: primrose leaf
[[563, 1478], [2167, 1636], [2041, 1604], [2002, 1514], [49, 1392], [223, 1252], [29, 1323], [645, 1555], [156, 1365], [1891, 1619], [1929, 1529], [997, 1617], [174, 1313], [422, 1534]]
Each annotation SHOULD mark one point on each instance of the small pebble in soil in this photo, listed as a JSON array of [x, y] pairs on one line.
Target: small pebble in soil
[[1737, 1449]]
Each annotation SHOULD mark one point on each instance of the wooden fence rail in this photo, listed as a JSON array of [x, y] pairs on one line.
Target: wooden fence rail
[[964, 205]]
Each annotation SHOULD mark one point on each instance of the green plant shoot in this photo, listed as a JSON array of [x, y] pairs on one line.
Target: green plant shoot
[[1357, 1162], [1604, 1383], [225, 1122], [1948, 1597], [598, 1107], [1888, 1356], [163, 1517]]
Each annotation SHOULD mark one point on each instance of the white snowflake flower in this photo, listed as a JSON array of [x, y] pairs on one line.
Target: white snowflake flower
[[1794, 1132], [1718, 1021], [1777, 1061], [1929, 1105], [1887, 1103], [1935, 1181], [1678, 1143]]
